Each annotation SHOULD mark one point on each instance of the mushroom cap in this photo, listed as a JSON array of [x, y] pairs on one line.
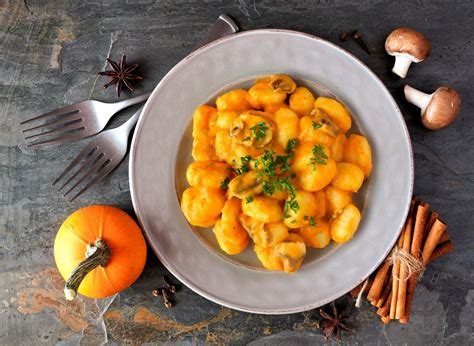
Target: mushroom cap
[[406, 41], [443, 109]]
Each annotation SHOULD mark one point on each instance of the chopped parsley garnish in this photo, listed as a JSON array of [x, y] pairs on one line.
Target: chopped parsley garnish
[[319, 156], [243, 168], [246, 139], [258, 131], [245, 159], [291, 145], [268, 188], [225, 183], [312, 221], [316, 125], [293, 205], [249, 199]]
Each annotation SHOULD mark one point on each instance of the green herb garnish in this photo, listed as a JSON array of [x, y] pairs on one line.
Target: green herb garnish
[[225, 183], [291, 145], [319, 156], [249, 199], [312, 221], [316, 125], [258, 131]]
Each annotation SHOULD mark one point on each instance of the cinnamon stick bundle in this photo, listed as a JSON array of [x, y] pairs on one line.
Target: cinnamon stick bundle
[[392, 286]]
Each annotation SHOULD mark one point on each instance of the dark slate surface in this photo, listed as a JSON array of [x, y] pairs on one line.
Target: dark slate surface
[[49, 54]]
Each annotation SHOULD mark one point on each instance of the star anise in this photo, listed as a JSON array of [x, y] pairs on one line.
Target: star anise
[[333, 324], [120, 75]]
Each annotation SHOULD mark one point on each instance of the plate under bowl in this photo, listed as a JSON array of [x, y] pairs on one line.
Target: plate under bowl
[[156, 146]]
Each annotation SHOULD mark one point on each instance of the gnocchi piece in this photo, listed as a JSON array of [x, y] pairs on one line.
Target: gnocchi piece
[[207, 173], [345, 225], [319, 128], [349, 177], [337, 148], [234, 100], [204, 118], [268, 234], [203, 148], [264, 255], [262, 209], [245, 185], [357, 151], [223, 147], [287, 123], [320, 199], [336, 200], [230, 234], [263, 95], [225, 119], [302, 101], [298, 217], [318, 236], [289, 255], [273, 108], [336, 111], [202, 205], [313, 166]]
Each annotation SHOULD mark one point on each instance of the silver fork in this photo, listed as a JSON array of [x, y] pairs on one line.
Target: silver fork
[[109, 148], [100, 157], [74, 122]]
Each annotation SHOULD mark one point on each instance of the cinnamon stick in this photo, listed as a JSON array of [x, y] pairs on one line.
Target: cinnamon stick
[[431, 220], [402, 282], [385, 293], [437, 230], [379, 282], [433, 237], [385, 309], [396, 265], [444, 238], [442, 250]]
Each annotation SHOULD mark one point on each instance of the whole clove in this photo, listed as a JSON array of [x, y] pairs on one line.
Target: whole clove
[[166, 298], [165, 292], [357, 36]]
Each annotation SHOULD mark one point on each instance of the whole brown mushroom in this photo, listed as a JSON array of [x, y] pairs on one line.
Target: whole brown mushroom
[[407, 46], [438, 109]]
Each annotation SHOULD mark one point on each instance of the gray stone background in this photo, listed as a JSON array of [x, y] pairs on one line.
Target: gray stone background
[[50, 52]]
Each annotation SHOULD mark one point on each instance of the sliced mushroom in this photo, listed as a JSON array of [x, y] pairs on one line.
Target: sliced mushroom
[[282, 83], [407, 45], [327, 125], [237, 127], [245, 129], [245, 185], [439, 109]]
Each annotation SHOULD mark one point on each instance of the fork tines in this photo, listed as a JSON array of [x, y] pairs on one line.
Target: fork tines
[[85, 170], [63, 124]]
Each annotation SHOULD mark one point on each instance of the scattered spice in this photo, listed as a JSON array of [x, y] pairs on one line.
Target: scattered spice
[[333, 322], [357, 36], [120, 75], [165, 292]]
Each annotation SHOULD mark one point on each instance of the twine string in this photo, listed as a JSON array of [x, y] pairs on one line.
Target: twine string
[[414, 265]]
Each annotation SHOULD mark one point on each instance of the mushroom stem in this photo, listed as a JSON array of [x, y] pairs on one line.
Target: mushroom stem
[[416, 97], [97, 255], [402, 64]]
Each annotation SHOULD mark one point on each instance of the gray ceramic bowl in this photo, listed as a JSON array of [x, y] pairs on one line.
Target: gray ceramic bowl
[[161, 152]]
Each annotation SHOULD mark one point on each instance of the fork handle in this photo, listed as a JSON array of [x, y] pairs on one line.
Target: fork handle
[[130, 102], [130, 123]]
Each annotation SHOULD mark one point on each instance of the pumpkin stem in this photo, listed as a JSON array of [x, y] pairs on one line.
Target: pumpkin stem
[[97, 254]]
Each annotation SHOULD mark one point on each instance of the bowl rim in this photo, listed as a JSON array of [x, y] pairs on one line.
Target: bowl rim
[[134, 144]]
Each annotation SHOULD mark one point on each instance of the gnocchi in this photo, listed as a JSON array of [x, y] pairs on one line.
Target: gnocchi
[[273, 166]]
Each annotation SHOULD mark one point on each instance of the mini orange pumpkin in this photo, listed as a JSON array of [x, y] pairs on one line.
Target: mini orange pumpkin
[[99, 250]]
